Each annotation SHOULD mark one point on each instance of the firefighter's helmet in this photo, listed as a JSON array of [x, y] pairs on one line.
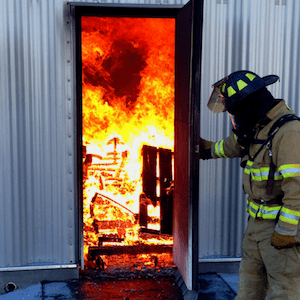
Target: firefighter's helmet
[[230, 90]]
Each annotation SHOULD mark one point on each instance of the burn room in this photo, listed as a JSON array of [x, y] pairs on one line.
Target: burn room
[[127, 140]]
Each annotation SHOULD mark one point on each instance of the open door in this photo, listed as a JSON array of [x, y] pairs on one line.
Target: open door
[[187, 131]]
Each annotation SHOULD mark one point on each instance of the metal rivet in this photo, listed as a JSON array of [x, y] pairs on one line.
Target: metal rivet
[[70, 191], [69, 80], [69, 99], [69, 136], [68, 42], [68, 61]]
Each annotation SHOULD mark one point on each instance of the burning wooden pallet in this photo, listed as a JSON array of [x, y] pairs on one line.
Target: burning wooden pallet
[[136, 249], [96, 253], [113, 227]]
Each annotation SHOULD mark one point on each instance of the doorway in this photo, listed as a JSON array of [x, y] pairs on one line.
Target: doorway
[[128, 88]]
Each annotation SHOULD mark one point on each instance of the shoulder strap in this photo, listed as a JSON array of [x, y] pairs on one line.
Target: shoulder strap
[[281, 121], [268, 143], [274, 129], [257, 141]]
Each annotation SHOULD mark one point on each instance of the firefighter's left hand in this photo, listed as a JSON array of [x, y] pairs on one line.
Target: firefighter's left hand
[[205, 149], [280, 241], [204, 144]]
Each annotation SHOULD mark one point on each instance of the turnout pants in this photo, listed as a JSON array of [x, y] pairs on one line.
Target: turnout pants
[[265, 270]]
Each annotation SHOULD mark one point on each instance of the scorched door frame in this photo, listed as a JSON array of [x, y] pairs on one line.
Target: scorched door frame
[[79, 9]]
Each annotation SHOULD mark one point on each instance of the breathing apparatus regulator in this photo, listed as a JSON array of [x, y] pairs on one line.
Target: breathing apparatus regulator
[[244, 96]]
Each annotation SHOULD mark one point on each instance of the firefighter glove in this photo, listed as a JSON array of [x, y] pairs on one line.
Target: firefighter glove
[[204, 144], [280, 241], [205, 149]]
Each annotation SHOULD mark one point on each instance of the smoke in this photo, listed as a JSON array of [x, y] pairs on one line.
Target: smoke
[[120, 73]]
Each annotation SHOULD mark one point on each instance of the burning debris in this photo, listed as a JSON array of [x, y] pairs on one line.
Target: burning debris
[[114, 224]]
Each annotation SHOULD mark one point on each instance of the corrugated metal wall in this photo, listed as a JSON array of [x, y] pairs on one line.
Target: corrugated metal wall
[[261, 36], [38, 205], [37, 125]]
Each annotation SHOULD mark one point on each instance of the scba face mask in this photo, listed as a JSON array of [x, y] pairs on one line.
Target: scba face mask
[[245, 134]]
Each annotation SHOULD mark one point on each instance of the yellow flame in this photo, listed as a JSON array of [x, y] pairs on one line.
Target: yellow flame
[[114, 130]]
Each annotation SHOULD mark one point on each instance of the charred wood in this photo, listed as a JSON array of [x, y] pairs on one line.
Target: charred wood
[[151, 231], [109, 199], [119, 250], [111, 239], [108, 224]]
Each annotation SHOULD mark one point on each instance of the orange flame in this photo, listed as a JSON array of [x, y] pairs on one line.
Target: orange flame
[[127, 102]]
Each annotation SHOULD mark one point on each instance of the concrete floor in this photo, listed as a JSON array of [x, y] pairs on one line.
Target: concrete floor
[[212, 286]]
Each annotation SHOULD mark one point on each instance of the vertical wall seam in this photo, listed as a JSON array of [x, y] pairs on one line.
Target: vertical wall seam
[[71, 132]]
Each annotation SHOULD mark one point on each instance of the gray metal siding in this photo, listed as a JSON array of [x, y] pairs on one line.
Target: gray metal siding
[[38, 199], [37, 159], [261, 36]]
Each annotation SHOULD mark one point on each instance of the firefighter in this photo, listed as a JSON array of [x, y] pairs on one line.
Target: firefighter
[[271, 256]]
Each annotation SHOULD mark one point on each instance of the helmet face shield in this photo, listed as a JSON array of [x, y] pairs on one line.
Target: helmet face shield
[[216, 101]]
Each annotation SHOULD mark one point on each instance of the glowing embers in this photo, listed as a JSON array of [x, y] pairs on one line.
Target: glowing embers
[[127, 102]]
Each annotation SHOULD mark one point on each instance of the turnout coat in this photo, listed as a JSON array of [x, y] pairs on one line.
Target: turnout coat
[[283, 202]]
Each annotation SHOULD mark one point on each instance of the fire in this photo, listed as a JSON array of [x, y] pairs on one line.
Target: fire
[[127, 102]]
